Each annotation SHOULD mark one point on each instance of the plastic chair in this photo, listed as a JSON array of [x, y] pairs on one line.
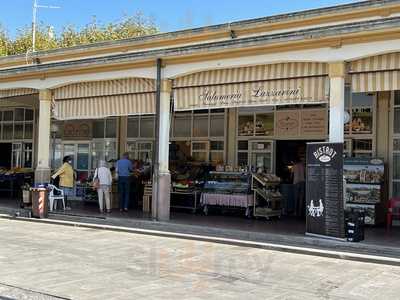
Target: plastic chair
[[393, 211], [53, 198]]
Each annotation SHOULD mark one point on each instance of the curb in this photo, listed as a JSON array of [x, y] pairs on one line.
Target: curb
[[384, 260]]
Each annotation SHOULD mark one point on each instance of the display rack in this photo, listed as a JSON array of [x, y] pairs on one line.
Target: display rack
[[230, 190], [363, 187], [185, 200], [267, 201]]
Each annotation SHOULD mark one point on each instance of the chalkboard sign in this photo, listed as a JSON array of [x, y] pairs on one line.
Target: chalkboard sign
[[325, 207]]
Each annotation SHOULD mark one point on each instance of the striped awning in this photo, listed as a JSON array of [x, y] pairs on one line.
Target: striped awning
[[277, 84], [377, 73], [17, 92], [100, 99]]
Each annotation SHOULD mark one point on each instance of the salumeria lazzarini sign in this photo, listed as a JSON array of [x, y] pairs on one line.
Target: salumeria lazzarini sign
[[212, 98]]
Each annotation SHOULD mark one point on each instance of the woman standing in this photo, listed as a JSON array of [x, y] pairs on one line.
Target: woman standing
[[66, 174], [104, 179]]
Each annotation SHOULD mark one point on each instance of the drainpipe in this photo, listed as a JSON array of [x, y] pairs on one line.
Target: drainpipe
[[156, 144]]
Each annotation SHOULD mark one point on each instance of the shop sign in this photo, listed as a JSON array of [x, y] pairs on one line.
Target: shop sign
[[324, 190], [306, 123], [288, 123], [313, 122], [258, 95], [77, 130]]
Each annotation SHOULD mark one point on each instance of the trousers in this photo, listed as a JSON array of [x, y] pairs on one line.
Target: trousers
[[124, 191], [103, 192]]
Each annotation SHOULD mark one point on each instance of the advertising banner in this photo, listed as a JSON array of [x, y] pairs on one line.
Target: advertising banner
[[324, 190]]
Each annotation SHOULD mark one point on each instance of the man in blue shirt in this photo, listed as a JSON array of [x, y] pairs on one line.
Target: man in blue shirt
[[124, 169]]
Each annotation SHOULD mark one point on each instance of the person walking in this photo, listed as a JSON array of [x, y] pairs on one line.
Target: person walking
[[102, 176], [124, 169], [66, 176]]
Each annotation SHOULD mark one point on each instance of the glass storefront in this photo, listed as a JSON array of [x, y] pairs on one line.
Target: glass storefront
[[140, 137], [16, 128], [360, 110], [200, 135]]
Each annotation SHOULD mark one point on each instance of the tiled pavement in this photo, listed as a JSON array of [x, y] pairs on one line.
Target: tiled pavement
[[83, 263]]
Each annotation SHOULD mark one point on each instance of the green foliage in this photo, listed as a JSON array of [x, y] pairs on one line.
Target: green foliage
[[127, 27]]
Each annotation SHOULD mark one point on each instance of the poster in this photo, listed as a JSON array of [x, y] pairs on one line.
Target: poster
[[324, 192]]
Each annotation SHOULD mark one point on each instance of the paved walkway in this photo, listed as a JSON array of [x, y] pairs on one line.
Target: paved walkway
[[43, 260]]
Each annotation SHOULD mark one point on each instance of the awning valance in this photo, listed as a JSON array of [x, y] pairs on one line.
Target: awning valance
[[377, 73], [17, 92], [279, 84], [90, 100]]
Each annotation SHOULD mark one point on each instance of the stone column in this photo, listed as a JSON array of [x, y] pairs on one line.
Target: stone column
[[161, 207], [337, 72], [42, 172]]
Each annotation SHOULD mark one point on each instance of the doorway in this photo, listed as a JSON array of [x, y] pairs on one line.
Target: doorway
[[5, 157], [287, 152]]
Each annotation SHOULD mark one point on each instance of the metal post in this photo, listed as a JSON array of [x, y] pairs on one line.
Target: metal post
[[156, 158]]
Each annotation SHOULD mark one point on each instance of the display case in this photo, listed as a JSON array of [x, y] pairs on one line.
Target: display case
[[257, 155], [364, 178], [228, 190], [267, 197]]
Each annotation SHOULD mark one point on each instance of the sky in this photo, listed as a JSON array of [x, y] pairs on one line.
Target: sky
[[169, 15]]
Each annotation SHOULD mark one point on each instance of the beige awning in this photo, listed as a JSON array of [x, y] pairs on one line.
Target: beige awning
[[100, 99], [377, 73], [278, 84], [17, 92]]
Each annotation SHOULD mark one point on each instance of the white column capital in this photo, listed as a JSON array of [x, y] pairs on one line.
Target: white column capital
[[45, 95], [166, 86], [337, 69]]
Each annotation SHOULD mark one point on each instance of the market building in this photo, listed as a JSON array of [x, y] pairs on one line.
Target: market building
[[246, 95]]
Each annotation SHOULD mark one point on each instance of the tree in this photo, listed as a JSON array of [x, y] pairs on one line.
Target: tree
[[4, 42], [127, 27]]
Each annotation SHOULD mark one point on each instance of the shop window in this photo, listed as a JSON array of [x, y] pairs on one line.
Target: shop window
[[216, 152], [200, 126], [82, 157], [28, 115], [362, 147], [396, 124], [256, 124], [200, 151], [16, 155], [111, 128], [182, 125], [110, 151], [28, 155], [19, 131], [19, 114], [97, 153], [7, 132], [246, 125], [147, 127], [145, 151], [264, 124], [98, 129], [360, 110], [8, 115], [28, 132], [133, 127], [217, 125], [243, 159]]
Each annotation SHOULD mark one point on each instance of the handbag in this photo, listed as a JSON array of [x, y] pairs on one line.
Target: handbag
[[96, 180]]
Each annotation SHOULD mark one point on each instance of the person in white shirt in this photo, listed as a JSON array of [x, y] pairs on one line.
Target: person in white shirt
[[103, 175]]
